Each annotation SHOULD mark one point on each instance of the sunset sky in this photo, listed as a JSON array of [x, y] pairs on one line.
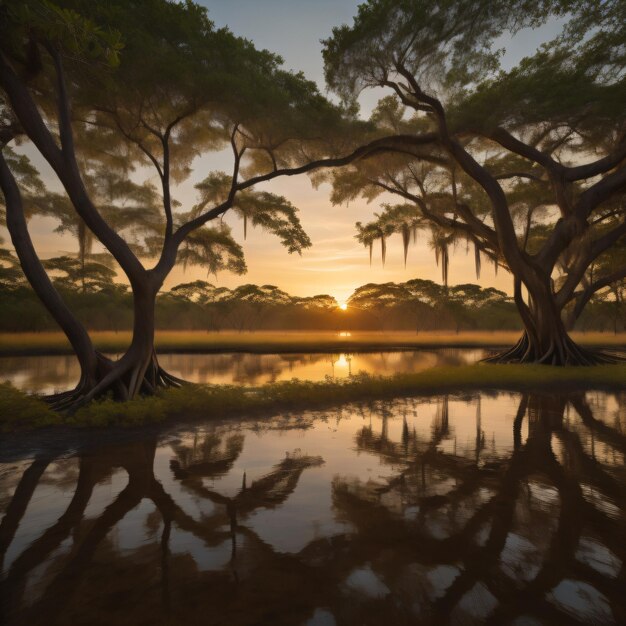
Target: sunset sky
[[336, 264]]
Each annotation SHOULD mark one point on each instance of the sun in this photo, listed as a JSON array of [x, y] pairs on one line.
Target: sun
[[343, 306]]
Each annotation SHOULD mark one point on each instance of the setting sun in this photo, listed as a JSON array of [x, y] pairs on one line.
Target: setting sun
[[343, 306]]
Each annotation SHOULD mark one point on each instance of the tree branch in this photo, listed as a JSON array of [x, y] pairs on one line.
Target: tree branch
[[384, 144], [36, 274], [576, 274], [600, 192], [518, 175], [598, 167], [488, 235], [511, 143], [63, 160], [28, 114], [583, 297], [505, 229]]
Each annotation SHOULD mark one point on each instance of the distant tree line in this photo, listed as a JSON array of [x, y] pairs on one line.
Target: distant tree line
[[418, 304]]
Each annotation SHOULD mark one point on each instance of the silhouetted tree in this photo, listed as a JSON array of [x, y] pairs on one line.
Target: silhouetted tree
[[506, 144], [156, 84]]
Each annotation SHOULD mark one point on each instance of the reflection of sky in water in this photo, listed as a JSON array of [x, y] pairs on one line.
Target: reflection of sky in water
[[582, 600], [346, 516], [48, 374]]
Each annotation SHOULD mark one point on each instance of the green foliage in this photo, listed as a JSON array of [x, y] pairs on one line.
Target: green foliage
[[214, 249], [433, 306], [262, 209], [90, 275], [11, 275], [57, 23], [373, 296], [403, 219], [108, 412], [449, 47], [19, 411], [576, 78], [196, 291], [175, 87], [448, 44]]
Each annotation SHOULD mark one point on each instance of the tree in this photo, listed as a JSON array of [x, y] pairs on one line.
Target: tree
[[10, 272], [250, 304], [320, 302], [156, 84], [130, 208], [542, 144], [91, 276], [603, 283], [378, 300]]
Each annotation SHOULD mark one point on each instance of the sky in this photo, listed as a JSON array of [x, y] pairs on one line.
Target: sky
[[336, 263]]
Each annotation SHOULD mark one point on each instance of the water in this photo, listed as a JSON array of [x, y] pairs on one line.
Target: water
[[48, 374], [502, 509]]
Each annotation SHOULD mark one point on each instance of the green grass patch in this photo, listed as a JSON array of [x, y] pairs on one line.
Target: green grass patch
[[20, 411]]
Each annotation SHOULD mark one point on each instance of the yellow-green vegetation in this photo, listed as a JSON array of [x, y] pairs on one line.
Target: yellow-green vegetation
[[284, 341], [20, 411]]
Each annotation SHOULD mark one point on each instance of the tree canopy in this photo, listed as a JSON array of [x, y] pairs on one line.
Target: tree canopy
[[138, 89], [524, 164]]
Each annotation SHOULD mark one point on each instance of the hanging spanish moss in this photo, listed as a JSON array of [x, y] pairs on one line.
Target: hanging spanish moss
[[477, 260], [406, 239], [370, 245], [445, 264], [245, 226], [441, 250], [383, 249]]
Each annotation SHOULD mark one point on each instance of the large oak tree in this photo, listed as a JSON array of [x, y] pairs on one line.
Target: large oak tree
[[527, 164], [144, 89]]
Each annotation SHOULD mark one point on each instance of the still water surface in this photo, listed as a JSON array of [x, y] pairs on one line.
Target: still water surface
[[501, 509], [48, 374]]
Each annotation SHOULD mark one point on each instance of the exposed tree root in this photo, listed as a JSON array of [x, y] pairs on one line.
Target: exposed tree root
[[561, 351], [124, 379]]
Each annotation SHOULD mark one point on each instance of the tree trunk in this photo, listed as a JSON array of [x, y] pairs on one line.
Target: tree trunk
[[545, 339], [91, 362], [138, 371]]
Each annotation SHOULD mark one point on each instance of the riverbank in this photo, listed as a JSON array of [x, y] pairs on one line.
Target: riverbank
[[283, 342], [22, 412]]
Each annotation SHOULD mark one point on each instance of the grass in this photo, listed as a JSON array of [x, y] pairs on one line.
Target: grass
[[19, 411], [276, 342]]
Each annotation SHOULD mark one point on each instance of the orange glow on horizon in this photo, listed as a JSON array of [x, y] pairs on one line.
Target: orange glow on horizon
[[343, 306]]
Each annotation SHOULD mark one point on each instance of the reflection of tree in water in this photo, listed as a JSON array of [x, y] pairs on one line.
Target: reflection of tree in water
[[213, 455], [536, 534], [450, 537], [74, 584]]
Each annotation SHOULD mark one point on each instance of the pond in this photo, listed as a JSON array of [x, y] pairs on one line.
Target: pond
[[48, 374], [504, 509]]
